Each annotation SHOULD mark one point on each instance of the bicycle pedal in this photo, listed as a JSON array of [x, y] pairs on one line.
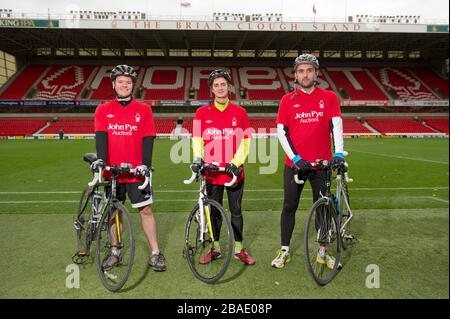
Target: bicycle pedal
[[80, 257], [190, 250], [349, 237]]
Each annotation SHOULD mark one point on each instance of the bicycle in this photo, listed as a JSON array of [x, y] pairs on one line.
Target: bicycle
[[103, 219], [200, 237], [328, 225]]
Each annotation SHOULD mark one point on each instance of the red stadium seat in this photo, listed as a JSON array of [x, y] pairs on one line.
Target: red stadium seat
[[405, 84], [439, 124], [20, 127], [71, 126], [398, 126]]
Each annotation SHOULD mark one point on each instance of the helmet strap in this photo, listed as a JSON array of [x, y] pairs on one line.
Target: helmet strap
[[123, 98]]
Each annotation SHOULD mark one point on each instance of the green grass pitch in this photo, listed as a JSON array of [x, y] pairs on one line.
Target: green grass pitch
[[399, 197]]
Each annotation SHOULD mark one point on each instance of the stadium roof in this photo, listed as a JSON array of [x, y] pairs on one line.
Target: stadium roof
[[25, 41]]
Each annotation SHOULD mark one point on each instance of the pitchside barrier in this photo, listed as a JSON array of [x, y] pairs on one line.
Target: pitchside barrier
[[256, 135]]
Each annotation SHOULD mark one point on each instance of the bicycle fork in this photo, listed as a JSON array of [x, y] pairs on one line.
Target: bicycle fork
[[341, 197], [204, 219]]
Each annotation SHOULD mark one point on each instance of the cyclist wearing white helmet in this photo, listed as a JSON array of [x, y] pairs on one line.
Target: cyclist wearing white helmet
[[124, 133], [221, 135], [306, 117]]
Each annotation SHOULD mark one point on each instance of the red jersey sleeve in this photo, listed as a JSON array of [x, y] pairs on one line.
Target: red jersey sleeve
[[149, 128], [282, 117], [99, 119], [246, 125], [335, 109]]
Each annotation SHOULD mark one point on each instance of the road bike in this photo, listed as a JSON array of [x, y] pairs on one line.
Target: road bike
[[328, 224], [103, 220], [201, 237]]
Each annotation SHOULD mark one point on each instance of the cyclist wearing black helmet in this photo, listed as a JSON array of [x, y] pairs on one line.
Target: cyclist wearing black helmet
[[124, 133], [306, 117], [221, 135]]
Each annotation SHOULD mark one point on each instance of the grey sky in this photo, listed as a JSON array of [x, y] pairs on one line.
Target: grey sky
[[427, 9]]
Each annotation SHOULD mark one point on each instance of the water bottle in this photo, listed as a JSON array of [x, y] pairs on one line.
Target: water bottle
[[96, 209], [336, 202]]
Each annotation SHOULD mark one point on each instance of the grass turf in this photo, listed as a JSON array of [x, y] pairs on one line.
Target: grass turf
[[399, 198]]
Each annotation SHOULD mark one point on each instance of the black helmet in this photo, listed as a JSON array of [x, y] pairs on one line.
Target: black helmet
[[307, 58], [219, 73], [125, 70]]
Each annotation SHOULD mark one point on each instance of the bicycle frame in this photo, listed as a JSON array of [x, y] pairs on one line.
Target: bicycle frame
[[101, 198], [341, 182], [203, 194]]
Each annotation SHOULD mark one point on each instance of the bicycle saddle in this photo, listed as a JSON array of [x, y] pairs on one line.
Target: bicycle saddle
[[90, 157]]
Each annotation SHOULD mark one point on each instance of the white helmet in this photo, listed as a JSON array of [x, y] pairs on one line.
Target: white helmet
[[124, 70], [306, 58]]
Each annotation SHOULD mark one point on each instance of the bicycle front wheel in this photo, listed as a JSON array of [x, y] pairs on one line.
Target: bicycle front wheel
[[83, 225], [345, 215], [208, 249], [322, 231], [115, 247]]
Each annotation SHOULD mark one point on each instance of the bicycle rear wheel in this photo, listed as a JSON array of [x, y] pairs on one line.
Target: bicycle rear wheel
[[321, 228], [195, 248], [115, 247], [83, 225]]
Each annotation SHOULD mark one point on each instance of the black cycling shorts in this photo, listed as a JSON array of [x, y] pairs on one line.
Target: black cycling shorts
[[139, 198]]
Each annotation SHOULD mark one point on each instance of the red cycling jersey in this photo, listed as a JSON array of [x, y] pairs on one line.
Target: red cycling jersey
[[125, 126], [308, 119], [222, 133]]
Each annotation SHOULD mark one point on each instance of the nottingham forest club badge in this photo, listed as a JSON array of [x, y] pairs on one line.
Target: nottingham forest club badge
[[233, 122], [137, 118]]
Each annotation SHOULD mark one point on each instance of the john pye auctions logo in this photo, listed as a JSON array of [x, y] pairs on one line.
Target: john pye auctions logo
[[308, 117], [124, 129]]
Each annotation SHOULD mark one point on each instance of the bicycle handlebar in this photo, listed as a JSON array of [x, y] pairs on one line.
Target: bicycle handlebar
[[213, 167], [98, 176], [323, 164]]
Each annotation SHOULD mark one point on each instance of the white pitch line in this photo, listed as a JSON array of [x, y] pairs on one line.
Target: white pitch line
[[38, 201], [38, 193], [401, 157], [246, 190], [193, 200], [438, 199]]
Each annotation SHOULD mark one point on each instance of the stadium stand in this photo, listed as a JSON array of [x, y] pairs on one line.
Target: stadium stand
[[403, 78], [354, 126], [23, 82], [20, 126], [86, 126], [260, 83], [63, 82], [433, 80], [357, 82], [439, 124], [264, 124], [71, 126], [165, 125], [188, 124], [164, 83], [406, 125], [404, 83]]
